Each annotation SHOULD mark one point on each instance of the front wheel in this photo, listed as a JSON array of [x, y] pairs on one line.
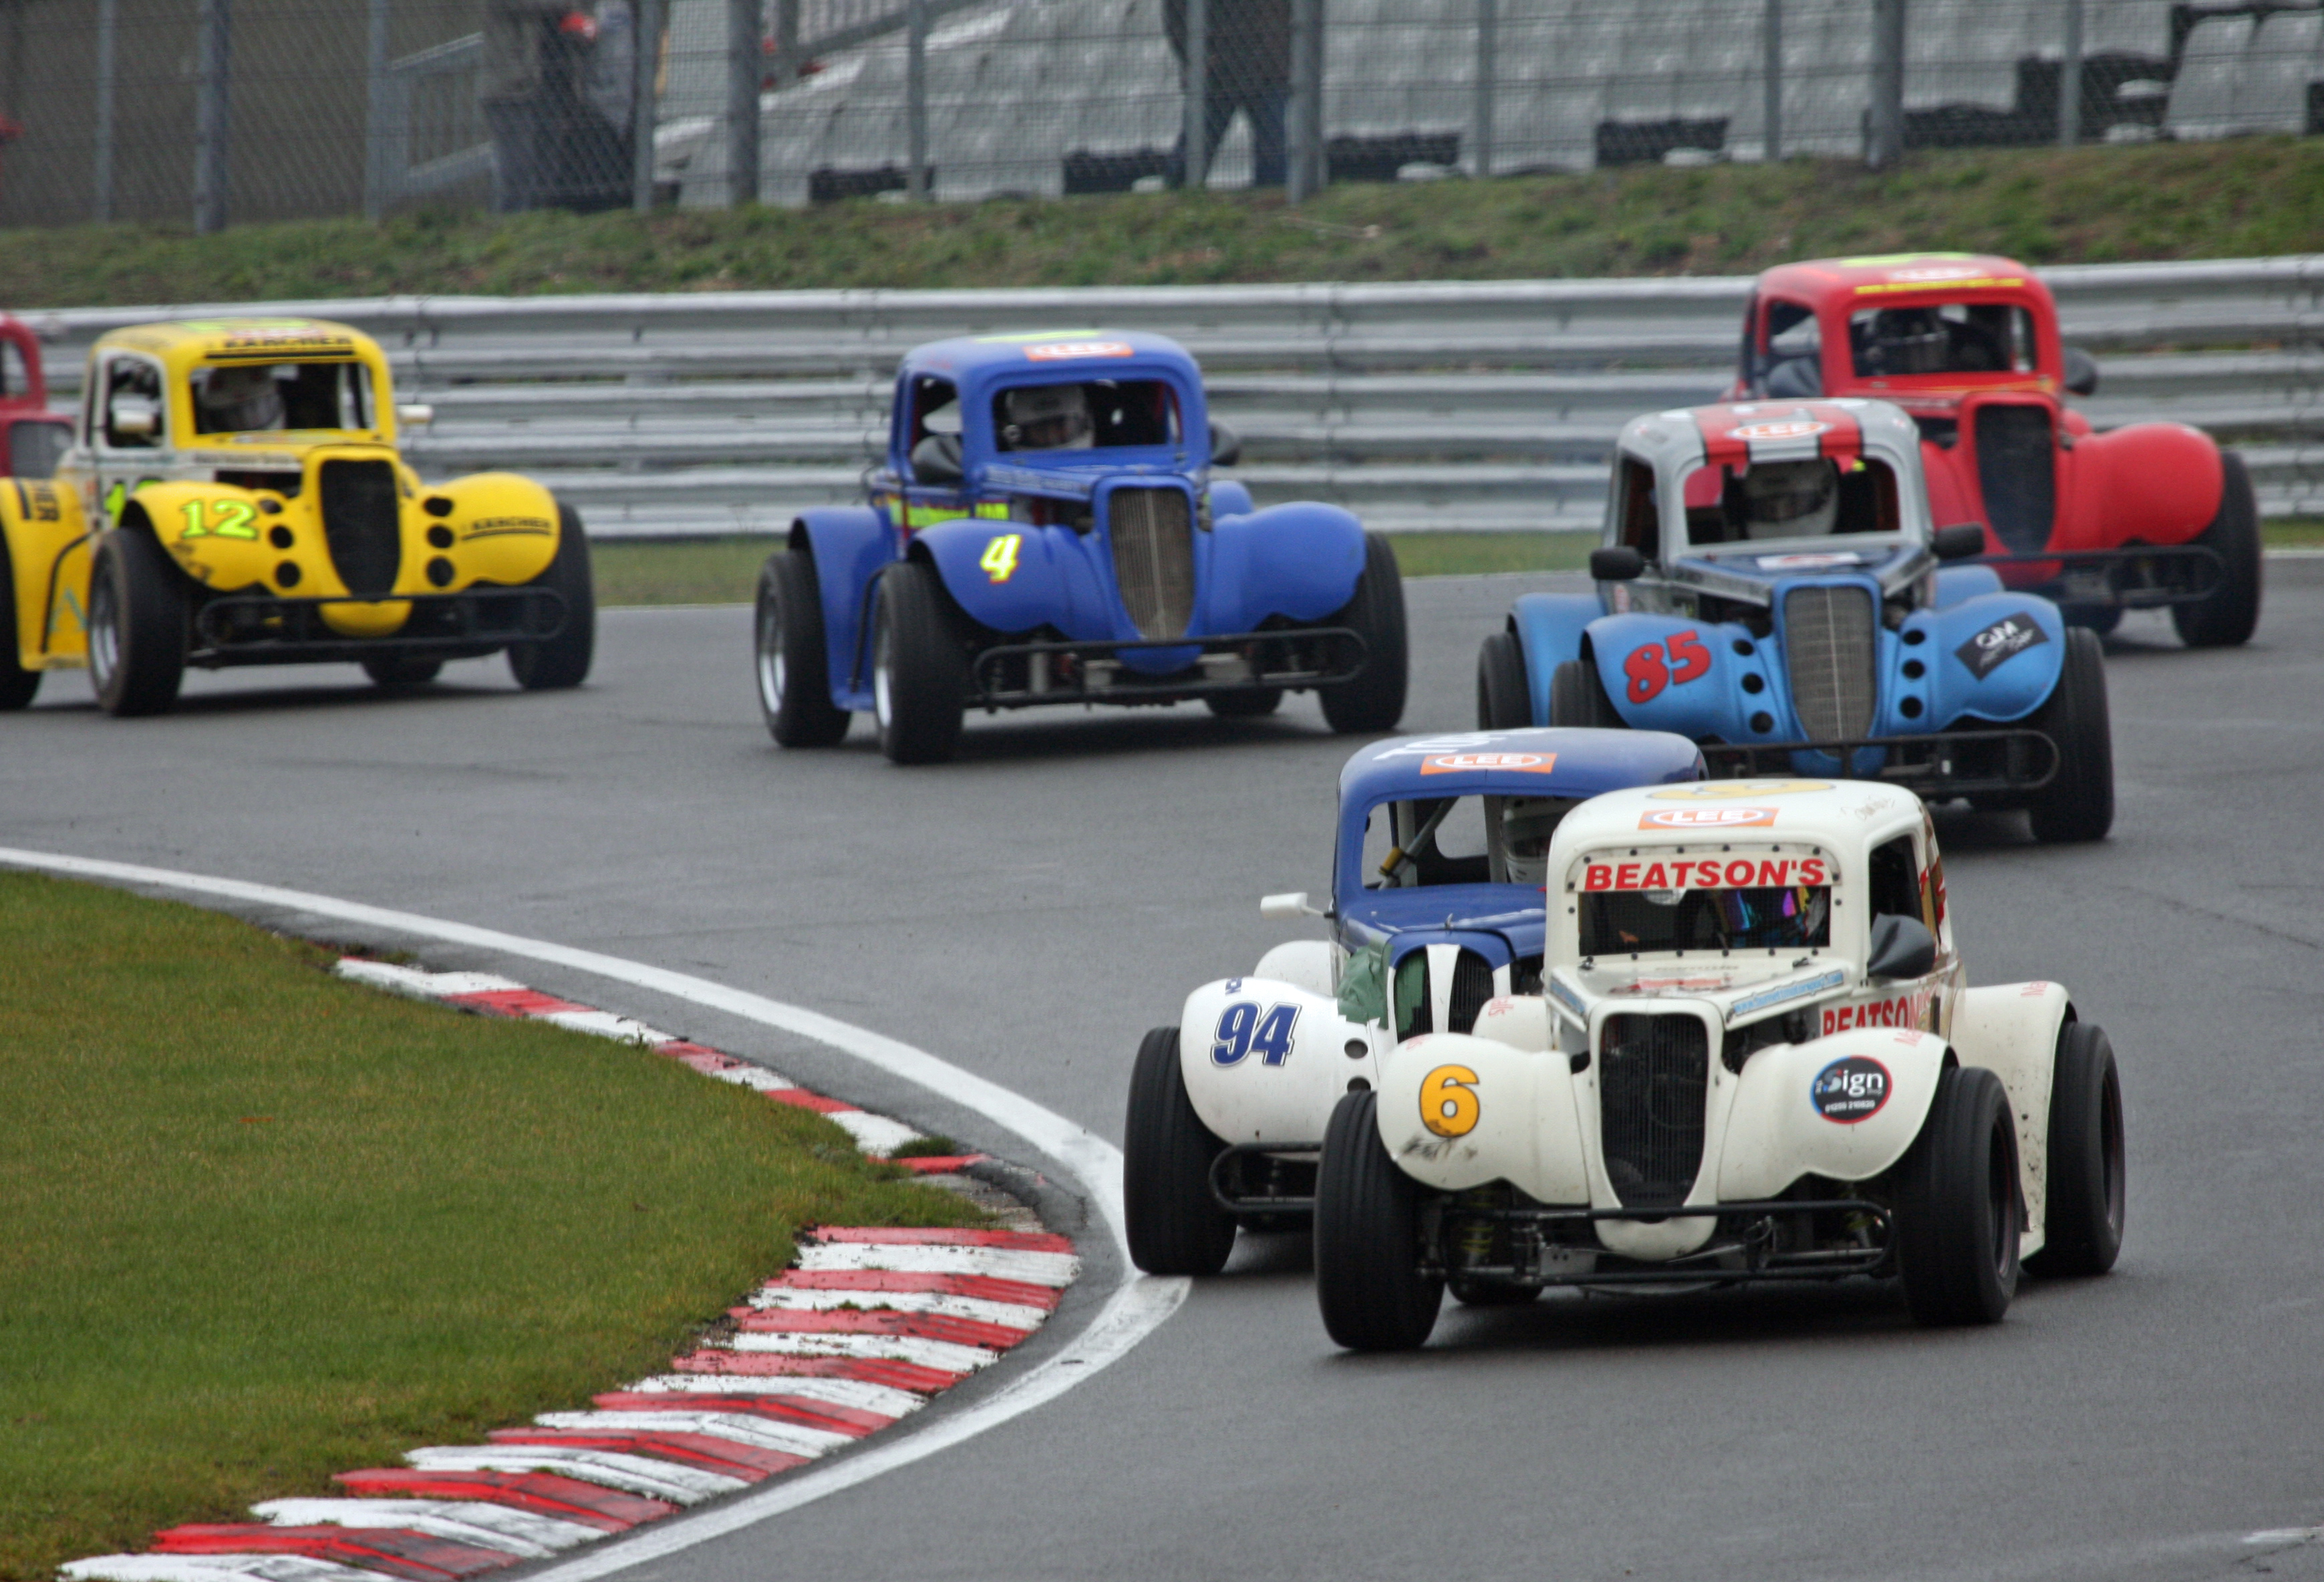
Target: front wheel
[[1255, 705], [1173, 1225], [2229, 615], [2078, 804], [562, 661], [1577, 697], [919, 666], [1957, 1203], [397, 671], [1374, 700], [793, 667], [1504, 699], [17, 684], [138, 625], [2089, 1174], [1368, 1280]]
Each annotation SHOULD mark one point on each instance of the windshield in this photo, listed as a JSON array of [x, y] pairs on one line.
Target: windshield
[[252, 397], [1950, 338], [1724, 903], [1738, 502], [1094, 414], [1460, 841]]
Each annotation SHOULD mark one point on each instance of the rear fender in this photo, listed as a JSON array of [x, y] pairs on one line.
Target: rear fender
[[49, 543], [2012, 1030], [849, 546], [1845, 1108], [1549, 629], [1265, 1061], [1958, 583], [1298, 561], [1229, 498], [1666, 673], [1992, 657], [1458, 1111]]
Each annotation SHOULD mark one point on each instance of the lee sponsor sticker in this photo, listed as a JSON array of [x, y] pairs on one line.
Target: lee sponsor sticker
[[1787, 428], [2002, 641], [1707, 818], [1465, 763], [1851, 1089], [1067, 351], [1707, 873], [1736, 790]]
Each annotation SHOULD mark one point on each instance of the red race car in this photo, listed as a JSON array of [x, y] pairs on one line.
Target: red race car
[[2143, 516], [32, 438]]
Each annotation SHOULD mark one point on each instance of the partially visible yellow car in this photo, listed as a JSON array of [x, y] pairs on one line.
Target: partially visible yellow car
[[233, 496]]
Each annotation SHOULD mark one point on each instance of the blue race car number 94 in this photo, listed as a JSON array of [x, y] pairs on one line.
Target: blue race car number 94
[[1243, 1029]]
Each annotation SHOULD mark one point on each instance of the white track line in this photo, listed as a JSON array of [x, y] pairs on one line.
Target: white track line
[[1136, 1307]]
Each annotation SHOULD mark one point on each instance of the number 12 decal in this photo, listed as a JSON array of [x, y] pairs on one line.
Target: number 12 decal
[[1689, 661], [230, 518], [1242, 1029]]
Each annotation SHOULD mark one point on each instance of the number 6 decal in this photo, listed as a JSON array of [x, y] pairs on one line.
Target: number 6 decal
[[1242, 1029], [1448, 1101], [1648, 675]]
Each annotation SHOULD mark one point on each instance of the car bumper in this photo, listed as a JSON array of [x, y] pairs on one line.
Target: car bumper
[[1029, 675], [1952, 763], [2140, 577], [261, 629]]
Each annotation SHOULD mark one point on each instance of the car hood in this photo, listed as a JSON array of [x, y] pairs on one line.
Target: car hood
[[1513, 912]]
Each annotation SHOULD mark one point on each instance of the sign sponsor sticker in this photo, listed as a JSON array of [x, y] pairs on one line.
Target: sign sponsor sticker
[[1736, 790], [1851, 1089], [1461, 763], [1789, 429], [1067, 350], [1998, 644], [1706, 873], [1707, 818]]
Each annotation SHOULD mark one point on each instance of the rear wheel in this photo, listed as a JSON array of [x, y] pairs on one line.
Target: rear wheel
[[1374, 700], [793, 667], [1957, 1203], [17, 684], [2078, 804], [1368, 1277], [2089, 1174], [1577, 697], [1173, 1225], [563, 660], [137, 625], [2229, 615], [1504, 700], [396, 670], [919, 666]]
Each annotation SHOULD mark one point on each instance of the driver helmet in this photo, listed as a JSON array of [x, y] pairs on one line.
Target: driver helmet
[[1789, 916], [1526, 824], [238, 400], [1791, 500], [1909, 340], [1046, 417]]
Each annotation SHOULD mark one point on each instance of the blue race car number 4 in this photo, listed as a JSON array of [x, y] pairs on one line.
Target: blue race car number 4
[[1242, 1029]]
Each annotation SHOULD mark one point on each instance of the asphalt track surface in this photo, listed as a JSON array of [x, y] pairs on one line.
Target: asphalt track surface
[[1030, 910]]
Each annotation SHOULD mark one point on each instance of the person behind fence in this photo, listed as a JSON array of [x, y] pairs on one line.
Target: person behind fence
[[1247, 68], [559, 86]]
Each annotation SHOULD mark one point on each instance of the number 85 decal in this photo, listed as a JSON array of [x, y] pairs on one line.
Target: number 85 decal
[[1689, 661], [1242, 1029]]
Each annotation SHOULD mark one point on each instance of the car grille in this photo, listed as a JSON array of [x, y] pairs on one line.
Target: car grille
[[1473, 986], [1153, 560], [1653, 1073], [1828, 637], [2017, 471], [362, 525]]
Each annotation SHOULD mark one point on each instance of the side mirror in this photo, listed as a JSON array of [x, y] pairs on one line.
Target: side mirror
[[415, 415], [1226, 445], [2082, 371], [1288, 907], [937, 459], [1961, 541], [1902, 947], [137, 415], [1615, 563]]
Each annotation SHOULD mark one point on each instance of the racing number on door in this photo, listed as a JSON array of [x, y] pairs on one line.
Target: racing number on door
[[1649, 674], [1242, 1029], [229, 519], [999, 561], [1448, 1101]]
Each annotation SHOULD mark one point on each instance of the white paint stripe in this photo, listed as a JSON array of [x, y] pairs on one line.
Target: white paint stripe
[[947, 1355], [750, 1076], [639, 1475], [874, 1134], [788, 1299], [854, 1392], [421, 985], [606, 1025], [213, 1569], [2286, 1535], [767, 1433], [500, 1527], [1134, 1309], [1057, 1269]]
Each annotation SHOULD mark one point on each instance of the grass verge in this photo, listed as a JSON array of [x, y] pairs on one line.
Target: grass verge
[[258, 1226], [2237, 197]]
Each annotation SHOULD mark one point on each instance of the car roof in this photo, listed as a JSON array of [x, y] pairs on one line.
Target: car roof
[[1841, 816], [1900, 277], [1550, 761], [1841, 430], [183, 343], [1093, 353]]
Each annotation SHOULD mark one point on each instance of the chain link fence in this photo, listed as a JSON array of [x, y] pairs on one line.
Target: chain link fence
[[219, 111]]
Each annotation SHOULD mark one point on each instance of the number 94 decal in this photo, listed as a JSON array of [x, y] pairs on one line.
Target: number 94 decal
[[1242, 1029]]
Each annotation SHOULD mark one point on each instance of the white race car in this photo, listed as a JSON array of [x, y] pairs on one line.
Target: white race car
[[1756, 1057]]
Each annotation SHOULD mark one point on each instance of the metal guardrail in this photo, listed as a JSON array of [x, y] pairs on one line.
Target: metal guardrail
[[1487, 405]]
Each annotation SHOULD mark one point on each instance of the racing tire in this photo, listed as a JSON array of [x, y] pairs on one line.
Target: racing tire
[[1486, 1293], [1957, 1205], [138, 625], [1174, 1224], [2089, 1173], [1504, 699], [2101, 619], [2078, 804], [1368, 1278], [1374, 700], [1245, 705], [919, 666], [17, 684], [562, 661], [397, 670], [788, 657], [2232, 611], [1577, 697]]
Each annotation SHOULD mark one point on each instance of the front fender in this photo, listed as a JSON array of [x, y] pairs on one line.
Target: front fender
[[1518, 1121], [848, 545], [1013, 577], [1993, 657], [504, 529], [2141, 483], [1845, 1108], [217, 536], [1549, 628], [1958, 583], [1229, 498], [1264, 1060], [1667, 674], [46, 538], [1298, 561]]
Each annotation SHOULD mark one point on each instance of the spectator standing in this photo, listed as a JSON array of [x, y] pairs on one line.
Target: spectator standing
[[558, 91], [1247, 69]]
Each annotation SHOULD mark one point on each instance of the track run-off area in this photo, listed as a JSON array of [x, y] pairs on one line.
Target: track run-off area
[[1019, 919]]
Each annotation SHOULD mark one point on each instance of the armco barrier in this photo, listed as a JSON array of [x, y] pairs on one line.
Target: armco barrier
[[1455, 405]]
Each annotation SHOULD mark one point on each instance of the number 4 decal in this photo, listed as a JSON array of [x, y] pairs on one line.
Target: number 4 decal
[[999, 560], [1242, 1029], [1689, 661]]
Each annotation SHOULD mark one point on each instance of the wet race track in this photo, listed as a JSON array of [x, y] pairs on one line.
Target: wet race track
[[1029, 910]]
